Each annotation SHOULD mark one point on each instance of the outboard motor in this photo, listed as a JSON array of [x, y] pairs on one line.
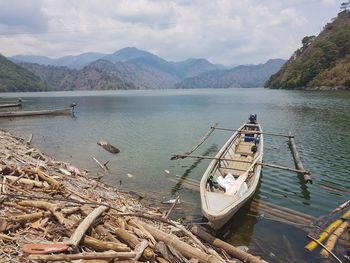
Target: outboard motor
[[253, 119]]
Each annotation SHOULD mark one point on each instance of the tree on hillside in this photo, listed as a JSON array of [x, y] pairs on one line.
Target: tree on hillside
[[345, 6], [307, 40]]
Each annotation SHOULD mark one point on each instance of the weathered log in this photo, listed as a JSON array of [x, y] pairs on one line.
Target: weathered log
[[297, 160], [233, 251], [161, 260], [85, 224], [17, 206], [37, 215], [54, 183], [133, 241], [28, 182], [148, 234], [185, 249], [104, 245], [121, 222], [140, 248], [6, 237], [53, 208], [108, 147], [17, 189], [103, 232], [99, 261], [170, 253], [92, 255], [29, 217]]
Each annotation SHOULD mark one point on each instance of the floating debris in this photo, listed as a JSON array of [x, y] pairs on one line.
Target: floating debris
[[171, 201], [108, 147], [72, 169]]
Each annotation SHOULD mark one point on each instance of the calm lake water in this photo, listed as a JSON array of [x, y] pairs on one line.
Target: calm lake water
[[149, 126]]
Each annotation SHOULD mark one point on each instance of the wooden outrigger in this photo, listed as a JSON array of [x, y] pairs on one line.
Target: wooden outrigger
[[65, 111], [234, 172]]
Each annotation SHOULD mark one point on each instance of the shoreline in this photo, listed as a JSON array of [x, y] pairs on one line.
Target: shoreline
[[45, 201]]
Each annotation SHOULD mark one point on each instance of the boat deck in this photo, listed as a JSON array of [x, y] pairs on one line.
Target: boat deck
[[237, 167], [245, 148], [241, 159]]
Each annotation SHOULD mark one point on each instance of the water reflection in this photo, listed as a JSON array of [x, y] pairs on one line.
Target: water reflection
[[211, 150]]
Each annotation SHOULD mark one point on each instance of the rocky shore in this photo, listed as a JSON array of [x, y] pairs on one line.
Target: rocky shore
[[51, 212]]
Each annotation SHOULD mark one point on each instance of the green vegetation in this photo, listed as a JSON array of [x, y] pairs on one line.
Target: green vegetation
[[345, 6], [15, 78], [321, 61]]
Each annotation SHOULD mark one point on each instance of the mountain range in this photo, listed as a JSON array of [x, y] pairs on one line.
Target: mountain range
[[239, 77], [132, 68]]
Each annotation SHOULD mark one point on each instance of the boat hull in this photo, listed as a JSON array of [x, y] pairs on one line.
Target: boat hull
[[67, 111], [10, 105], [220, 206], [218, 221]]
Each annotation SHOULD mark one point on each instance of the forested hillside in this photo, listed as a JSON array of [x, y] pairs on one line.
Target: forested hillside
[[323, 62], [15, 78]]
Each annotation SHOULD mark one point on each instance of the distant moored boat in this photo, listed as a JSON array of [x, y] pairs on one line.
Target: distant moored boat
[[65, 111], [11, 105]]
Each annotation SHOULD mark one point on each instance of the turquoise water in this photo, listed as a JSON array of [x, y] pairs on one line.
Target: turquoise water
[[149, 126]]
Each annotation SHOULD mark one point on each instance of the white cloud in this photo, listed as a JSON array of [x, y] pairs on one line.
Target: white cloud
[[329, 2], [224, 31]]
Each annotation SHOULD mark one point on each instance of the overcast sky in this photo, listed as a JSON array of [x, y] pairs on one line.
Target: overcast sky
[[223, 31]]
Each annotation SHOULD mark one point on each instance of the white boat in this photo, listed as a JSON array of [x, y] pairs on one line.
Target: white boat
[[233, 176]]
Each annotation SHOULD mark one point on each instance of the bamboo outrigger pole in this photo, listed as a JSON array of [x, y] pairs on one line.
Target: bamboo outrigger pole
[[332, 240], [182, 156], [312, 245], [297, 160], [175, 157], [322, 221]]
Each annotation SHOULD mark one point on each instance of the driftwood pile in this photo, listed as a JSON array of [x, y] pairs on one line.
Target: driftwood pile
[[49, 212]]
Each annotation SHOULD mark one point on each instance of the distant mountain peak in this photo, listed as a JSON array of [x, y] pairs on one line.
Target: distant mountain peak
[[128, 53]]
